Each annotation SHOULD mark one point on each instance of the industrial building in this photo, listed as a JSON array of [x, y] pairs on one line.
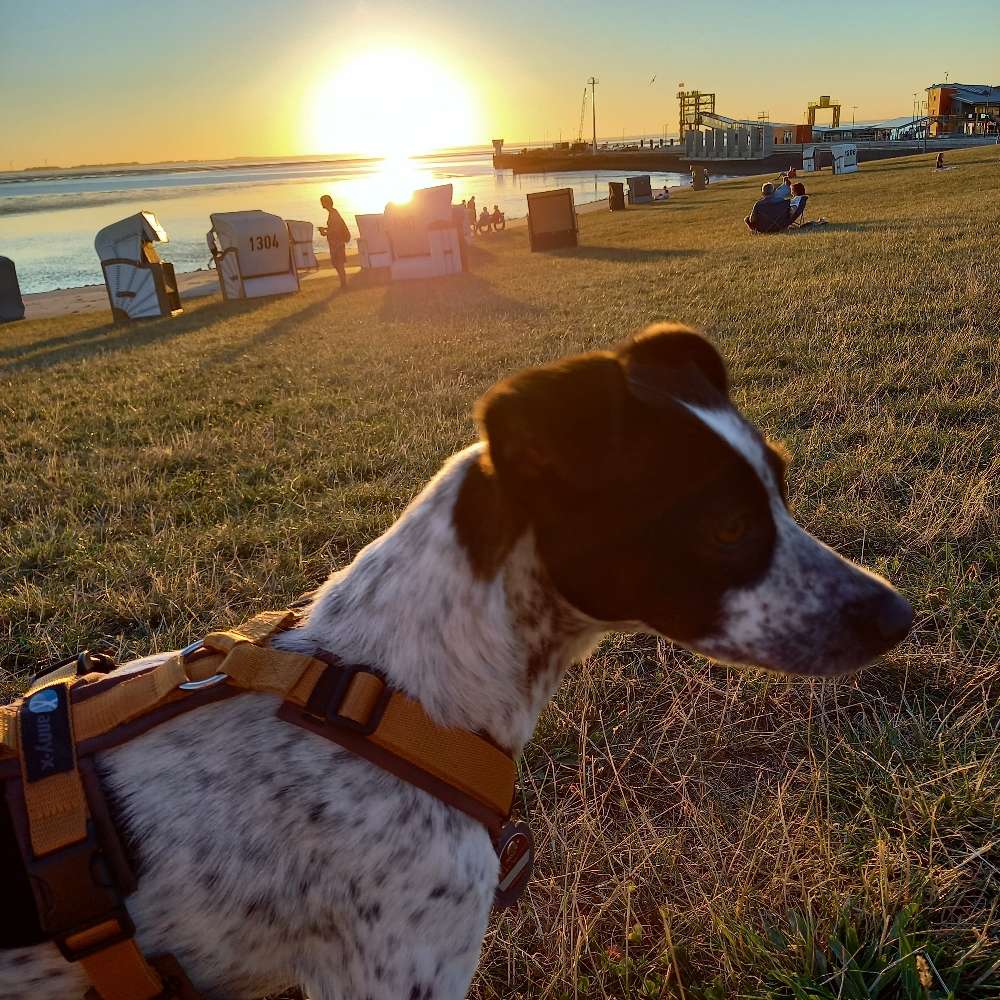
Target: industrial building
[[963, 108]]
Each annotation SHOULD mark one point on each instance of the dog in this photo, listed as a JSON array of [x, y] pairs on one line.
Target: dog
[[615, 490]]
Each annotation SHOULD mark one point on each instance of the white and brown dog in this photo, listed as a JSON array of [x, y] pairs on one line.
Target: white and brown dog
[[612, 490]]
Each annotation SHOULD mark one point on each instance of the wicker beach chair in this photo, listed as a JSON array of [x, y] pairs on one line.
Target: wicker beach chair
[[139, 284], [252, 254]]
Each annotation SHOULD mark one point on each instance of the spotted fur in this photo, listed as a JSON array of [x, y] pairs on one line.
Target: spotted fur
[[269, 857]]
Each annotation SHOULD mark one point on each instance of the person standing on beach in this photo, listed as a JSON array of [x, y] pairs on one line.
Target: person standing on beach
[[337, 237]]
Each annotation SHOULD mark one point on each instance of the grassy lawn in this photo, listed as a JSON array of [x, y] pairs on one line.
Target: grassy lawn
[[703, 832]]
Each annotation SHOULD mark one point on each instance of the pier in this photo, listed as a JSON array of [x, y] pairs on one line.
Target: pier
[[676, 159], [738, 146]]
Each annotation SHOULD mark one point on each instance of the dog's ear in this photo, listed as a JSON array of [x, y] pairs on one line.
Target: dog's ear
[[563, 422], [677, 362]]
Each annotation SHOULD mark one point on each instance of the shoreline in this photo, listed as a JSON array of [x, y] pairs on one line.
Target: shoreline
[[201, 283]]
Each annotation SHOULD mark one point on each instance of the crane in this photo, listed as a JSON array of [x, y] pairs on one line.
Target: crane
[[583, 111]]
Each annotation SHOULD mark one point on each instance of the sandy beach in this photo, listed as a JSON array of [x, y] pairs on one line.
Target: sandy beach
[[94, 298], [198, 284]]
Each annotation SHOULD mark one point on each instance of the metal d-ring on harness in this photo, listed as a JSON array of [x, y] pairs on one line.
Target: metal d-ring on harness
[[187, 654]]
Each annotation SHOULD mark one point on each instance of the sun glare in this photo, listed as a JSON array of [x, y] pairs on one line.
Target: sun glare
[[391, 102]]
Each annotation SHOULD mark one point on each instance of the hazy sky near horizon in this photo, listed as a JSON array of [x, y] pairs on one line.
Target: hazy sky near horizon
[[123, 81]]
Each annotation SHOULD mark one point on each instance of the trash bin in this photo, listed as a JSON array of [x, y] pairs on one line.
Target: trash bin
[[640, 190], [11, 303], [616, 196]]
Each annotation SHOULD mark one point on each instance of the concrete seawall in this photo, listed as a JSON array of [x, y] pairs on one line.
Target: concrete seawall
[[673, 158]]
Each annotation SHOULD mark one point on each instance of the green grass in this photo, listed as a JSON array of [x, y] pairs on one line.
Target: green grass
[[703, 832]]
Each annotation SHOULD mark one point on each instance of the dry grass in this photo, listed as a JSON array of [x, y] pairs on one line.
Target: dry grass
[[703, 833]]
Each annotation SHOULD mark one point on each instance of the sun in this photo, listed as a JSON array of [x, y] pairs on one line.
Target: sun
[[391, 102]]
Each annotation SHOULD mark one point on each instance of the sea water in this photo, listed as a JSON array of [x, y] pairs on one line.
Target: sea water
[[48, 223]]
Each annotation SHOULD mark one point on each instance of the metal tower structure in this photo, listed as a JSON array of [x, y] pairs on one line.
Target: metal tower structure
[[824, 104], [592, 83], [693, 104]]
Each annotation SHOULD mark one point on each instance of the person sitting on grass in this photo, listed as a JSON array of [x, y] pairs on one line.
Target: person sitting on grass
[[797, 207], [485, 223], [498, 219], [769, 214], [797, 204], [800, 197]]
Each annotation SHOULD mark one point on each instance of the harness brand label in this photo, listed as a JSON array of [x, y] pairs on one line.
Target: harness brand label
[[45, 734]]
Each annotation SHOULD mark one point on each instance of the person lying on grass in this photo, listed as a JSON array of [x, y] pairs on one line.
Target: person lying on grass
[[782, 188]]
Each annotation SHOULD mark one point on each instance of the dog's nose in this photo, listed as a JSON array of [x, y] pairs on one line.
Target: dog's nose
[[893, 618], [881, 621]]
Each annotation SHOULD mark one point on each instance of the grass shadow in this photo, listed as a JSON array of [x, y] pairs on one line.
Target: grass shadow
[[624, 255], [428, 298], [477, 253], [66, 340], [844, 227], [112, 337], [285, 325]]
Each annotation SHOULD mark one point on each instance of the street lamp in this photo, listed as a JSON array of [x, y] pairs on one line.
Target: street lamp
[[854, 108]]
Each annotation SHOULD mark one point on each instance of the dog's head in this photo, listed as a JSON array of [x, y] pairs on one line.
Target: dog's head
[[652, 500]]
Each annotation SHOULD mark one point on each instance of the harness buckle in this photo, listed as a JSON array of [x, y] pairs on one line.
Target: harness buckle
[[120, 926], [75, 894], [328, 696]]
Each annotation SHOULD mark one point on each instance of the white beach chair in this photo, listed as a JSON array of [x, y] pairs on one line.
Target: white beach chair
[[303, 252], [373, 242], [845, 158], [252, 254], [808, 159], [139, 284], [424, 240]]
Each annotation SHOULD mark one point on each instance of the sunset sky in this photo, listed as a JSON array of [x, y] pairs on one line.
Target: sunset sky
[[124, 80]]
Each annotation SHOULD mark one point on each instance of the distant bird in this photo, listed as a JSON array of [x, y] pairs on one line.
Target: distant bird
[[652, 80]]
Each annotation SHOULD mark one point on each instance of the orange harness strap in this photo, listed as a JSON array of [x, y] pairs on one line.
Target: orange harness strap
[[120, 972], [352, 706], [84, 914]]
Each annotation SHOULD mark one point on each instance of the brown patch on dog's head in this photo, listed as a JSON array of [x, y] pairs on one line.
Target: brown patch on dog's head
[[619, 482]]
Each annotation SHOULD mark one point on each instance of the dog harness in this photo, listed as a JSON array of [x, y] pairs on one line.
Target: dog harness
[[74, 872]]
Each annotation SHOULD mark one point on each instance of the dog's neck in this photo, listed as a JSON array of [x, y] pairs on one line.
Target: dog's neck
[[479, 654]]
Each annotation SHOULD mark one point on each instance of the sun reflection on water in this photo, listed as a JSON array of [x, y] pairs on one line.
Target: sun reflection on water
[[392, 179]]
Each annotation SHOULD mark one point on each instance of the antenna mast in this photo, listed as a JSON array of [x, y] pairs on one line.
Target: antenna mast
[[592, 83]]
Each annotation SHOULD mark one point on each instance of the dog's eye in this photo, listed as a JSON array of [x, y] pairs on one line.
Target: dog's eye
[[731, 528]]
